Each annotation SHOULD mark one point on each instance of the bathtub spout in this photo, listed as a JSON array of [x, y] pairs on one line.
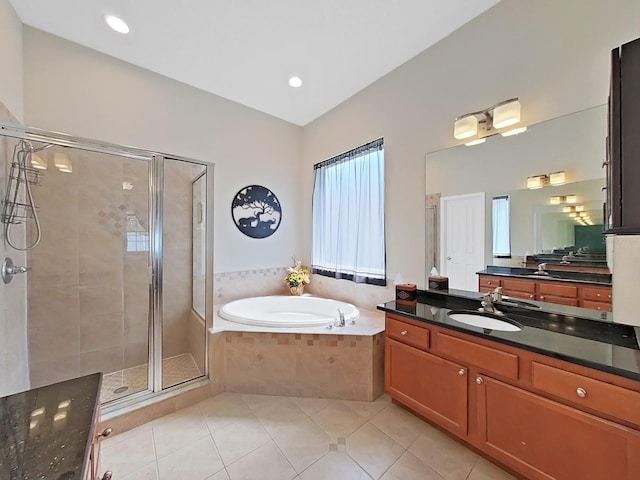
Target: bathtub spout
[[341, 322]]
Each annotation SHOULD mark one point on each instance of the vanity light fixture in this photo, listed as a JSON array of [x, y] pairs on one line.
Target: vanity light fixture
[[557, 178], [557, 200], [514, 131], [62, 162], [485, 123], [573, 198], [579, 208], [117, 24], [573, 214], [537, 181], [568, 209], [38, 162], [477, 141]]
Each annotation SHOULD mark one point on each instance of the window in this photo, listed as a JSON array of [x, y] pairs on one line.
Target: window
[[137, 236], [348, 216], [501, 227]]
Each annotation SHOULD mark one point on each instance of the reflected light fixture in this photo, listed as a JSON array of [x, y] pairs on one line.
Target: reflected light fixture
[[514, 131], [38, 162], [557, 178], [568, 209], [573, 214], [537, 181], [579, 208], [556, 200], [573, 198], [485, 123], [62, 162]]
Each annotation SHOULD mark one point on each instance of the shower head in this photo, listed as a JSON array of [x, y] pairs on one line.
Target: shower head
[[28, 146]]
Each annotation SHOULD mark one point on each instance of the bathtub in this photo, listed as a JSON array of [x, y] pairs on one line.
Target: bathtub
[[287, 311]]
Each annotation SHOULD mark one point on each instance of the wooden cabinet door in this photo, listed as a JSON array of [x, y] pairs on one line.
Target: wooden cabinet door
[[544, 439], [433, 387]]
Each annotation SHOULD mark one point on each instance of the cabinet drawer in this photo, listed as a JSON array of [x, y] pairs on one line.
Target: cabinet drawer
[[517, 294], [491, 282], [557, 289], [407, 333], [558, 300], [528, 286], [488, 359], [602, 306], [588, 392], [597, 294]]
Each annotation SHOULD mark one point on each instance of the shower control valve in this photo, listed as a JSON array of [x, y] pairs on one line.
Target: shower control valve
[[9, 270]]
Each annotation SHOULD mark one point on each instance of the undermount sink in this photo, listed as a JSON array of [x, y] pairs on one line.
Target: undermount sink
[[484, 320]]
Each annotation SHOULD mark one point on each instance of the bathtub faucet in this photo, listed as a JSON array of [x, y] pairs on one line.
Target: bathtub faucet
[[340, 319]]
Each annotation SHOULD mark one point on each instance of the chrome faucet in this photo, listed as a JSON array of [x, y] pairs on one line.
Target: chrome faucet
[[340, 322], [489, 300]]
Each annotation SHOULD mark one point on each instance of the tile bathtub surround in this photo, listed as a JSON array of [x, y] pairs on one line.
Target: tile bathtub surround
[[230, 286], [359, 294], [348, 367], [236, 436]]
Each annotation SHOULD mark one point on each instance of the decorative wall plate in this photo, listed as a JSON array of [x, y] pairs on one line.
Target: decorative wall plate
[[256, 211]]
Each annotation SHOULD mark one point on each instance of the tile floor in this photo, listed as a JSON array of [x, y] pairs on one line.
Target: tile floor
[[175, 370], [246, 437]]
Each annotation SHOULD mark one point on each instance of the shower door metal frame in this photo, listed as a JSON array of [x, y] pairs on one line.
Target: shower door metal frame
[[156, 196]]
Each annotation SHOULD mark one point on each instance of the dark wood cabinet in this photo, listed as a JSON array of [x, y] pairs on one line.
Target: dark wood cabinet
[[548, 440], [623, 142]]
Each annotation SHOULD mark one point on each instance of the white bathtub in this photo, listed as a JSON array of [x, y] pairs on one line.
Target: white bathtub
[[287, 311]]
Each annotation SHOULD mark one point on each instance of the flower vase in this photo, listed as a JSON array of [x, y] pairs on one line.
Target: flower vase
[[299, 290]]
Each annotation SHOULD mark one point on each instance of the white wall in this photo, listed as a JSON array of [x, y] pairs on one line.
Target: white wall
[[14, 375], [10, 60], [76, 90], [553, 55]]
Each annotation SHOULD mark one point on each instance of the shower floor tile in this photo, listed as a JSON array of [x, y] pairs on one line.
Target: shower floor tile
[[121, 383]]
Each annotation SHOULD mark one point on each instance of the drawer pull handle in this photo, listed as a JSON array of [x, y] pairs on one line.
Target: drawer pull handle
[[489, 283], [582, 393], [404, 333], [461, 372], [541, 297], [479, 380], [106, 432], [531, 296]]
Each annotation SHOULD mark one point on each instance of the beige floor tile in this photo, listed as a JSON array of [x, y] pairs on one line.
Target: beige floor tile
[[129, 454], [238, 437], [118, 437], [485, 470], [335, 466], [311, 406], [174, 431], [399, 424], [265, 463], [221, 475], [367, 409], [195, 461], [450, 459], [303, 443], [338, 420], [408, 467], [373, 450], [257, 402], [148, 472], [224, 405], [277, 417]]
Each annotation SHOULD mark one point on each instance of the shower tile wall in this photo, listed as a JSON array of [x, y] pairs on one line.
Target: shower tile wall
[[88, 296], [14, 373]]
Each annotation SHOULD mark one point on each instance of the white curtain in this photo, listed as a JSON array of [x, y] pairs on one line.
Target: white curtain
[[348, 216], [501, 228]]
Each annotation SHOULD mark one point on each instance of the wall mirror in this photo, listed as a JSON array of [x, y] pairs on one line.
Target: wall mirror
[[462, 183]]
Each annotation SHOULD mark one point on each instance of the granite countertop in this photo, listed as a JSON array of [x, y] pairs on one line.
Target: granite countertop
[[598, 344], [600, 279], [46, 432]]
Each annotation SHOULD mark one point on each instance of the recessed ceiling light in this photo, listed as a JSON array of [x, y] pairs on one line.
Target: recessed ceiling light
[[295, 82], [116, 23]]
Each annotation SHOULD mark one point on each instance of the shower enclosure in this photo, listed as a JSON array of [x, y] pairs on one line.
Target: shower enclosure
[[119, 250]]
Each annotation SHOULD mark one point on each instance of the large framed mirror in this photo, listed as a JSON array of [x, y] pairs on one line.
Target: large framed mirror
[[510, 224]]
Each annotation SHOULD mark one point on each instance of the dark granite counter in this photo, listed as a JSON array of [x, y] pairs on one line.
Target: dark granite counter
[[594, 343], [600, 279], [46, 432]]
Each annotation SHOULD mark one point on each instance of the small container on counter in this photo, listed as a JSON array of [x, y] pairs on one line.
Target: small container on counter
[[438, 283], [406, 294]]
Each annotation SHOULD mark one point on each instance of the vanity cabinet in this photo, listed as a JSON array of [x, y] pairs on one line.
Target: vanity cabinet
[[623, 142], [595, 297], [542, 417]]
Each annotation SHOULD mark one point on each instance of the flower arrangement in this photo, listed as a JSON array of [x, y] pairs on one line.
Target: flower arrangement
[[297, 277]]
